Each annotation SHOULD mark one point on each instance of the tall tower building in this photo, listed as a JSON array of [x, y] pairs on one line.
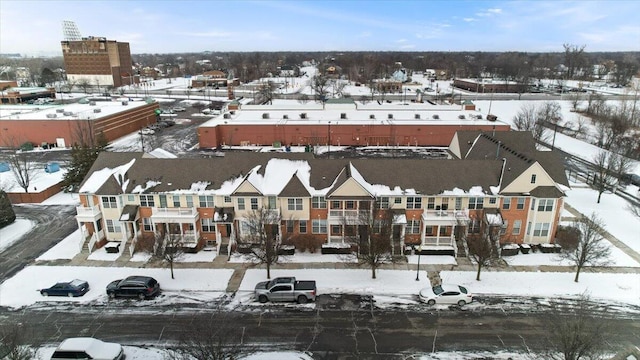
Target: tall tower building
[[97, 60]]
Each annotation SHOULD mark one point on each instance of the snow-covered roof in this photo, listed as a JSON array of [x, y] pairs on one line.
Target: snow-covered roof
[[75, 111]]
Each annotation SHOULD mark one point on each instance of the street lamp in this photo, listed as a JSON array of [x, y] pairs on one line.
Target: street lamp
[[418, 270]]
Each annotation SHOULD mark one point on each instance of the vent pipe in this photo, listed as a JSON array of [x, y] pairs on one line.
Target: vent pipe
[[498, 150]]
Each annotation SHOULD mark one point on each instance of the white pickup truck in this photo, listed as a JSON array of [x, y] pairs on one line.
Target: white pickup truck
[[286, 289]]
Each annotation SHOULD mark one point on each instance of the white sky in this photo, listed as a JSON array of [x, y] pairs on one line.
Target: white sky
[[34, 27]]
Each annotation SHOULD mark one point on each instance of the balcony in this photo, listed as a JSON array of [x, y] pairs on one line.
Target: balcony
[[348, 217], [438, 241], [445, 217], [174, 215], [88, 214]]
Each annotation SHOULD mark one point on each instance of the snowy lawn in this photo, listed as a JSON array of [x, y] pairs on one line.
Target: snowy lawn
[[12, 233], [613, 211], [22, 289], [65, 249], [618, 258]]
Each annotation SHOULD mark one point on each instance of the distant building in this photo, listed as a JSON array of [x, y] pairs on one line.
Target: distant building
[[213, 78], [489, 86], [60, 125], [99, 61], [19, 95]]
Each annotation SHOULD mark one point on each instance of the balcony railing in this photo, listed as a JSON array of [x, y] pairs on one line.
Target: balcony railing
[[168, 214], [350, 217], [87, 213], [445, 216], [438, 241]]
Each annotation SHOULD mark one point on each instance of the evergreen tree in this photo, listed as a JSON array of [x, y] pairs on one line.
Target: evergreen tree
[[7, 216], [82, 157]]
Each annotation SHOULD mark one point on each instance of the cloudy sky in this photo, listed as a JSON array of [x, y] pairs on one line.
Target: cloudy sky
[[164, 26]]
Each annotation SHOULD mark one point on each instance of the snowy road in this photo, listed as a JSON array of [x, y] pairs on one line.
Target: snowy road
[[52, 223]]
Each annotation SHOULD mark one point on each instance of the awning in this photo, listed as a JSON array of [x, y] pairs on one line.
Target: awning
[[129, 213]]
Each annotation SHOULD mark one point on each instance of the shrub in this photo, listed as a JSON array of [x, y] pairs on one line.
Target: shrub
[[567, 237]]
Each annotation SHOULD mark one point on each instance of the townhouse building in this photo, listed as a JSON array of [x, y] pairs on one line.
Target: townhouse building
[[490, 178]]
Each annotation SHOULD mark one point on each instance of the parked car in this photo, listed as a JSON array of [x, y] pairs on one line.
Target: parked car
[[286, 289], [88, 348], [179, 108], [147, 131], [142, 287], [631, 179], [72, 288], [446, 294]]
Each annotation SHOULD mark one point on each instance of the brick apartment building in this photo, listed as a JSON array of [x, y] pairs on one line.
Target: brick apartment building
[[99, 61]]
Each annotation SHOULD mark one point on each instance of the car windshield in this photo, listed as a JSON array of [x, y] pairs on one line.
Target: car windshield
[[437, 290], [463, 289]]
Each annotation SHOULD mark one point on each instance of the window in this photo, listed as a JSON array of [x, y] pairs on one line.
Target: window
[[383, 203], [458, 203], [476, 203], [318, 202], [99, 225], [443, 230], [227, 199], [414, 202], [493, 200], [474, 226], [290, 224], [131, 198], [545, 205], [207, 225], [113, 226], [445, 203], [109, 202], [254, 203], [176, 201], [294, 204], [520, 204], [541, 229], [377, 226], [529, 228], [533, 178], [336, 229], [163, 201], [431, 203], [147, 200], [319, 226], [336, 204], [517, 225], [506, 203], [240, 203], [206, 201], [397, 200], [428, 231], [272, 202], [350, 204], [189, 201], [413, 226], [146, 224], [503, 229], [533, 204], [302, 224]]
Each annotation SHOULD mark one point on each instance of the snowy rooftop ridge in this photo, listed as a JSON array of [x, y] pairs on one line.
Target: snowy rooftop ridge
[[98, 178]]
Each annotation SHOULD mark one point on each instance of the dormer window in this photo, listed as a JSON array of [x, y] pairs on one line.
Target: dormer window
[[533, 178]]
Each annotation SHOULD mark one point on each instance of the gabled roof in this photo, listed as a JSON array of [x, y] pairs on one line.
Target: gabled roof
[[294, 188]]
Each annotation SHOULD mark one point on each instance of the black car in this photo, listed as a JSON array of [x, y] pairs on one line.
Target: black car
[[71, 289], [142, 287], [630, 179]]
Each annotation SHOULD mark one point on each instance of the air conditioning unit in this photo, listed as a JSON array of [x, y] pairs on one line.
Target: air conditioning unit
[[265, 115], [60, 111], [343, 115], [492, 117], [51, 116], [436, 116], [92, 103], [372, 116], [390, 116], [67, 113], [285, 117], [226, 116], [417, 117], [97, 110], [125, 103], [303, 115], [461, 117]]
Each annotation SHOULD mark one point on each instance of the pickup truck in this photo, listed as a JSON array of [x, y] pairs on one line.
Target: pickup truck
[[286, 289]]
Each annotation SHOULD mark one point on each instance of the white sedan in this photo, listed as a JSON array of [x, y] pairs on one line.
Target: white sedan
[[446, 294], [88, 348]]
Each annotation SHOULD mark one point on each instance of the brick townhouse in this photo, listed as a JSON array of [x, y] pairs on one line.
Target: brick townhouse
[[490, 178]]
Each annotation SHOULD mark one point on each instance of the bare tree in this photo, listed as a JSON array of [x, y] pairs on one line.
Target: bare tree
[[266, 92], [169, 248], [527, 119], [591, 248], [13, 340], [604, 176], [260, 238], [576, 331], [320, 85], [483, 248], [24, 169], [549, 112], [84, 84], [216, 339], [371, 232], [574, 58], [303, 98]]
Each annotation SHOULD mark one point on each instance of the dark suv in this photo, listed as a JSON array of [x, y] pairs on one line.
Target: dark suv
[[141, 287]]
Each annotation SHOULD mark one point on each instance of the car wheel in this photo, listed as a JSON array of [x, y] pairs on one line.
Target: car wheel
[[462, 303], [70, 294], [302, 299], [141, 296], [431, 302], [112, 296], [45, 294], [263, 299]]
